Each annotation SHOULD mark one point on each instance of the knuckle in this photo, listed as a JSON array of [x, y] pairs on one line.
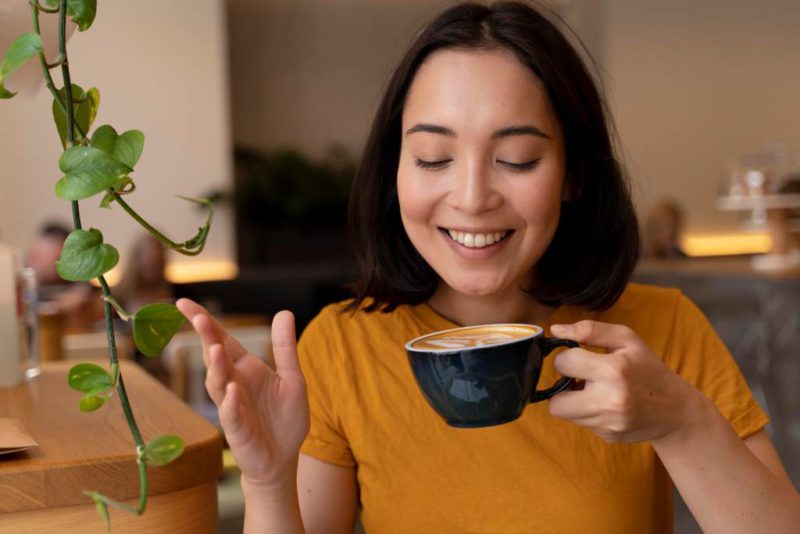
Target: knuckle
[[586, 328], [620, 403], [625, 330], [619, 367]]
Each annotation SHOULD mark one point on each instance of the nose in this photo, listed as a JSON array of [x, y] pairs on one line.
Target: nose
[[474, 190]]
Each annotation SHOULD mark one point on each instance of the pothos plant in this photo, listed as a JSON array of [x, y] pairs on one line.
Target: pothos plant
[[94, 163]]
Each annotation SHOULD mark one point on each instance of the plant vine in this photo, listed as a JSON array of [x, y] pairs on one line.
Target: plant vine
[[93, 164]]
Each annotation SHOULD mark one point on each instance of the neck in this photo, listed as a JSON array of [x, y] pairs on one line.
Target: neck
[[511, 306]]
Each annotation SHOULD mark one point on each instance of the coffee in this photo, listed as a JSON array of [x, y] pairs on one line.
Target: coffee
[[474, 336]]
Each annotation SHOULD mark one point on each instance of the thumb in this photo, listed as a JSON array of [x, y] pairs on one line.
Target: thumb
[[284, 346]]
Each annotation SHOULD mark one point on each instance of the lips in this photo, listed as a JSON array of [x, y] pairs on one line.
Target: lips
[[477, 239]]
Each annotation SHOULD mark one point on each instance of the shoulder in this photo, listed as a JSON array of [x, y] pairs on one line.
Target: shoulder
[[644, 302], [342, 315], [341, 321]]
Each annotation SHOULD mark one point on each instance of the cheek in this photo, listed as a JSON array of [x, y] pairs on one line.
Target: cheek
[[414, 196]]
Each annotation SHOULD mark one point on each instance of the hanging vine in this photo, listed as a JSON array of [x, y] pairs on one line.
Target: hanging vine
[[95, 162]]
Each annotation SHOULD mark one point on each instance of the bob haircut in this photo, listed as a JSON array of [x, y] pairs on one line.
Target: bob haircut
[[596, 244]]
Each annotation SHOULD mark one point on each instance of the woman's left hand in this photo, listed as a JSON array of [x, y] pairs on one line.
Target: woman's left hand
[[629, 394]]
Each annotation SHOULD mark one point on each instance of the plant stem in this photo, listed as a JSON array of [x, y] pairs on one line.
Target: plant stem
[[76, 217], [167, 242], [43, 9], [51, 86], [124, 315], [45, 69], [62, 51]]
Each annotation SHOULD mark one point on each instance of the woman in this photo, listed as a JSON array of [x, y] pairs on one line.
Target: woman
[[489, 193]]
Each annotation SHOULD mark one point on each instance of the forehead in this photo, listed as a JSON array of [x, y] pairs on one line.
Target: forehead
[[470, 88]]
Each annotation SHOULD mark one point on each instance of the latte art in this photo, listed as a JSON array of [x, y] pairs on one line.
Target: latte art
[[472, 337]]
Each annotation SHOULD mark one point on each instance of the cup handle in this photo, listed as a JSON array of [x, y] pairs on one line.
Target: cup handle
[[548, 345]]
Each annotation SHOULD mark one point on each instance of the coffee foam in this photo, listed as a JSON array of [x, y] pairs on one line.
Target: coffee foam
[[473, 337]]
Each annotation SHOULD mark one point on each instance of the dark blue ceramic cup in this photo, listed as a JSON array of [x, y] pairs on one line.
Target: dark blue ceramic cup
[[483, 375]]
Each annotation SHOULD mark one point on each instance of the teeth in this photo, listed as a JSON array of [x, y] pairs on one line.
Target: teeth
[[476, 240]]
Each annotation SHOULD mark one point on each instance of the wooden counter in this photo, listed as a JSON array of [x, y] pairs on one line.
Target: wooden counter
[[40, 489]]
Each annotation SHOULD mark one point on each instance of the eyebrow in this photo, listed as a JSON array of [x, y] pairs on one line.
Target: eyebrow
[[504, 132]]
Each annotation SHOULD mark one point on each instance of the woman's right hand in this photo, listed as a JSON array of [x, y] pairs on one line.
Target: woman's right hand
[[264, 413]]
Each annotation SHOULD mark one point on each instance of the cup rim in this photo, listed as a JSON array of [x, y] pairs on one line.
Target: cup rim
[[538, 331]]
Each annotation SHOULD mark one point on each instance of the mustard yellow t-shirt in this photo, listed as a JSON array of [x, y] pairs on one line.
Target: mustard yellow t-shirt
[[536, 474]]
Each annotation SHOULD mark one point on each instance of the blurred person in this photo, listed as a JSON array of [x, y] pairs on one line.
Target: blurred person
[[43, 254], [663, 231], [144, 280], [74, 300]]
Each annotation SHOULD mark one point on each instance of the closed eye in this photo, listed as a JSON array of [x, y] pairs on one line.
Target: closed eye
[[519, 167], [431, 164]]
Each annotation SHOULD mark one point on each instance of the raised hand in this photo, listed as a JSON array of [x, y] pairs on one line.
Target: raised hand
[[264, 413], [630, 395]]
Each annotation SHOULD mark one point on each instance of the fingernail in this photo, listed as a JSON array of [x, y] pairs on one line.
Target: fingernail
[[563, 328]]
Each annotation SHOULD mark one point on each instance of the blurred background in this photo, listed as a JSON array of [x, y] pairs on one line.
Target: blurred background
[[265, 106]]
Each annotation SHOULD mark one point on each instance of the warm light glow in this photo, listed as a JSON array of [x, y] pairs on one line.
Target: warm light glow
[[726, 244], [202, 271], [183, 273], [112, 277]]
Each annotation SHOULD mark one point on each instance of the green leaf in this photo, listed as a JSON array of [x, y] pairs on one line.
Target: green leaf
[[85, 256], [88, 377], [153, 327], [91, 403], [82, 12], [162, 450], [85, 109], [126, 148], [102, 507], [21, 50], [88, 171]]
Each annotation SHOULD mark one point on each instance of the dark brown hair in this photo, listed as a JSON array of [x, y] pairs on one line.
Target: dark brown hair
[[596, 244]]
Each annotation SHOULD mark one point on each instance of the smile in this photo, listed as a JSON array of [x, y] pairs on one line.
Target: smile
[[477, 240]]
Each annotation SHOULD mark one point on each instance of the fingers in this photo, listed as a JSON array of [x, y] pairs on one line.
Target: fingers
[[608, 336], [209, 330], [570, 405], [284, 346], [220, 370], [230, 415], [581, 364], [189, 308]]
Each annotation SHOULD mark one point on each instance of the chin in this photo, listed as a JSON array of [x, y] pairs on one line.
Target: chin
[[475, 287]]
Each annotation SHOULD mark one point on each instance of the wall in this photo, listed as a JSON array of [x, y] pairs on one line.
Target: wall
[[696, 84], [161, 67], [692, 84], [309, 74]]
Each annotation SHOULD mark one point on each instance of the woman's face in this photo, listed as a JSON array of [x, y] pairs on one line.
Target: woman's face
[[481, 174]]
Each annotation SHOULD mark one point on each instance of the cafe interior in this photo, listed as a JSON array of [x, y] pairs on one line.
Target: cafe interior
[[264, 108]]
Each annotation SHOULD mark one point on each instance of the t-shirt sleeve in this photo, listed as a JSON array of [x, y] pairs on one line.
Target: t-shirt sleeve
[[320, 354], [700, 357]]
